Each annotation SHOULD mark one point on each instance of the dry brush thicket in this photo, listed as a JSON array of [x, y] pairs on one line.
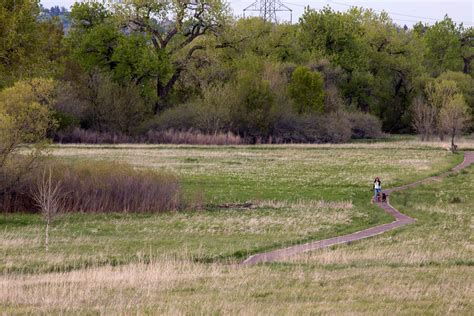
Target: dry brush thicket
[[99, 187], [170, 136]]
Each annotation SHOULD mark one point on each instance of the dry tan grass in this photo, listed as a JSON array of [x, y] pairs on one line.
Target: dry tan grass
[[181, 287], [390, 251], [305, 205], [463, 142]]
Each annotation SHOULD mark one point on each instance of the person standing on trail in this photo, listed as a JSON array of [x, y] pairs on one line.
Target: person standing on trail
[[377, 188]]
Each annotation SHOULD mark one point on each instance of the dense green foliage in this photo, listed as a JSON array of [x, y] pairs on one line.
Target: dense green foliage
[[28, 47], [25, 118], [306, 90], [138, 65]]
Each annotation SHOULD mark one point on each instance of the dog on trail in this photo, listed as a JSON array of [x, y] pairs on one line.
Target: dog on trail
[[381, 197]]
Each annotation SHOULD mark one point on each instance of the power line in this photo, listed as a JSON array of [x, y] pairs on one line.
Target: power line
[[392, 14], [393, 18], [400, 14], [296, 4]]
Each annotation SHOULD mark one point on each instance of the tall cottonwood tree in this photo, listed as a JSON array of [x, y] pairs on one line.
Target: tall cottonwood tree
[[380, 60], [29, 47], [175, 28], [467, 49], [445, 49]]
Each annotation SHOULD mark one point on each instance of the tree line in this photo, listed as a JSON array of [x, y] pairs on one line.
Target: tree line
[[145, 65]]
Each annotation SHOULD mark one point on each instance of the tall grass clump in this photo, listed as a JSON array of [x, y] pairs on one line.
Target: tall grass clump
[[192, 137], [168, 136], [82, 136], [102, 187]]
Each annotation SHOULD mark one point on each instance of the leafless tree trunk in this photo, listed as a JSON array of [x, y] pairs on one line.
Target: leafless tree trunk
[[424, 118], [454, 147], [48, 197]]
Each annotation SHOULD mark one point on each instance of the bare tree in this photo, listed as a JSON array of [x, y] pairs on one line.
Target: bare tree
[[439, 93], [453, 118], [424, 118], [48, 197]]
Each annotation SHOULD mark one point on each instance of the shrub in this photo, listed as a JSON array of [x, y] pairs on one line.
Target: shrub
[[328, 128], [252, 111], [364, 125], [68, 106], [96, 187], [290, 128], [213, 109], [115, 107], [209, 113], [307, 90], [180, 117], [96, 101], [332, 128]]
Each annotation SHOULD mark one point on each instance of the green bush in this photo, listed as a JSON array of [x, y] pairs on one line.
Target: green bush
[[180, 117], [252, 112], [307, 90], [364, 125], [25, 119]]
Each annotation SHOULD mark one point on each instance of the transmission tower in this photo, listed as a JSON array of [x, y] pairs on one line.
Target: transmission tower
[[268, 9]]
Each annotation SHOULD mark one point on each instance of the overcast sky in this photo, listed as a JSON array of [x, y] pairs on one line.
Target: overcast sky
[[402, 11]]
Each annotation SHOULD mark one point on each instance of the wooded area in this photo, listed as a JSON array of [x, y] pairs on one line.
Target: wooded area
[[144, 67]]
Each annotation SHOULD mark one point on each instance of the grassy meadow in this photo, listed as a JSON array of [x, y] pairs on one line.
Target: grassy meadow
[[177, 263]]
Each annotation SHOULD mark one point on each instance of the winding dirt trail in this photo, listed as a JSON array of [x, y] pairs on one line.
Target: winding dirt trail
[[400, 220]]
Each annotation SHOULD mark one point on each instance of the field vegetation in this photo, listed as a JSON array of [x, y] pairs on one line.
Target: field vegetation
[[283, 172], [240, 200], [95, 187], [425, 267]]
